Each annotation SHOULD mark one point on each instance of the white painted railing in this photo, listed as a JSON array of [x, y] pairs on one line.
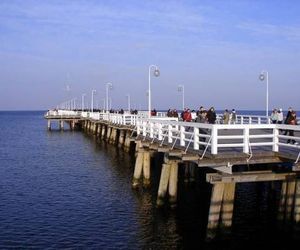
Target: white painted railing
[[61, 112], [251, 133], [218, 137]]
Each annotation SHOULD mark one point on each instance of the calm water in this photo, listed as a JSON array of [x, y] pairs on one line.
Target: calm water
[[66, 190]]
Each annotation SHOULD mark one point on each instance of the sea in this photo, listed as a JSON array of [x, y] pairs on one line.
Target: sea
[[70, 190]]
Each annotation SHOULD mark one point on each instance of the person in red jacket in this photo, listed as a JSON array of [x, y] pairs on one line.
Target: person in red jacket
[[187, 116]]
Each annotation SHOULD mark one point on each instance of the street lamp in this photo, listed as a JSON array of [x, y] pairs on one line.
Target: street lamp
[[108, 86], [264, 75], [92, 103], [82, 102], [128, 101], [156, 73], [110, 101], [181, 89]]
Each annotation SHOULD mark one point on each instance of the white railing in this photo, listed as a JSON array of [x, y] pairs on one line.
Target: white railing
[[61, 112], [251, 132], [245, 119], [219, 137]]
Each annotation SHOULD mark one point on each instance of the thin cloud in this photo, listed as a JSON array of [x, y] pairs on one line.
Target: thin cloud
[[291, 33]]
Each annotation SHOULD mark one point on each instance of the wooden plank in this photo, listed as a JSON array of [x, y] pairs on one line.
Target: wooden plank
[[256, 176], [237, 161]]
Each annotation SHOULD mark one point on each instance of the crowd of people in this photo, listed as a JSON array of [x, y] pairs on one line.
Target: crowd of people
[[203, 115]]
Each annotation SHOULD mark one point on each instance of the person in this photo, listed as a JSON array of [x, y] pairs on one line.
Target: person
[[201, 109], [211, 115], [187, 116], [292, 121], [232, 117], [153, 112], [169, 113], [280, 116], [202, 118], [274, 116], [286, 121], [226, 117], [182, 113]]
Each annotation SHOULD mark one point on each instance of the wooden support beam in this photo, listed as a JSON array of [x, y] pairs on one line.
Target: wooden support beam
[[215, 209], [252, 176], [227, 204], [49, 125], [138, 169], [121, 138], [290, 194], [146, 169], [173, 180], [297, 202], [163, 184], [282, 201]]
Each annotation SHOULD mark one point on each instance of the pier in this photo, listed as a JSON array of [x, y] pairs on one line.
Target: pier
[[223, 149]]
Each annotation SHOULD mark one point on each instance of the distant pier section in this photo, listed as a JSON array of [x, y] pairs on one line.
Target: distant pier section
[[223, 149]]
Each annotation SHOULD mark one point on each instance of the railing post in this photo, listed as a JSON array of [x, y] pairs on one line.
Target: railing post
[[242, 120], [138, 129], [159, 131], [275, 147], [151, 129], [182, 136], [246, 140], [259, 120], [196, 138], [250, 120], [170, 133], [144, 128], [214, 140]]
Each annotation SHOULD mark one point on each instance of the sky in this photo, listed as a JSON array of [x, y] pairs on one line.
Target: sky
[[52, 51]]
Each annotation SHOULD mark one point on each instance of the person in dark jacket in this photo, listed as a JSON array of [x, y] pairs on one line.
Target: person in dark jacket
[[292, 121], [288, 116], [211, 115]]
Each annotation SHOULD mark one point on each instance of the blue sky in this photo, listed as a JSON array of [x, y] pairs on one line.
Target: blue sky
[[216, 49]]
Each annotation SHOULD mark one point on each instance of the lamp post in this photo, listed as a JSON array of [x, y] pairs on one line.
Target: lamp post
[[110, 101], [264, 75], [128, 101], [181, 89], [92, 103], [156, 73], [82, 102], [108, 86]]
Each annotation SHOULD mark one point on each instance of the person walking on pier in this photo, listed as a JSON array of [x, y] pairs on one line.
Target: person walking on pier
[[280, 116], [187, 116], [232, 117], [202, 118], [292, 121], [211, 115], [286, 121], [274, 116], [226, 117]]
